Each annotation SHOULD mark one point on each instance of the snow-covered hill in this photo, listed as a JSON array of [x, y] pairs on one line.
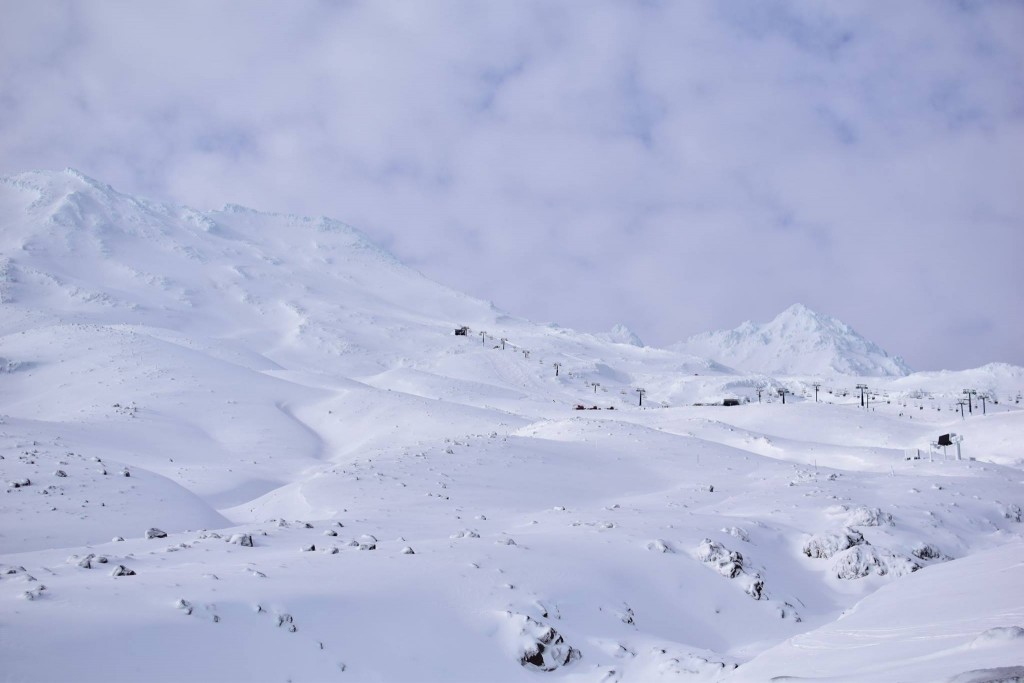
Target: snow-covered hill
[[347, 490], [797, 342]]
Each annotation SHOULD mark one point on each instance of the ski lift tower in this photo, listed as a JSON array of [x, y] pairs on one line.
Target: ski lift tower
[[970, 404]]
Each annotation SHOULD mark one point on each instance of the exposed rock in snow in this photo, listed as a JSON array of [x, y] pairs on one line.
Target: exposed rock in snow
[[241, 539], [1012, 512], [545, 649], [1002, 674], [999, 634], [729, 563], [926, 551]]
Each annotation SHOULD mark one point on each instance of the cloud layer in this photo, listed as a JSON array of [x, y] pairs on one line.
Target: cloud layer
[[673, 166]]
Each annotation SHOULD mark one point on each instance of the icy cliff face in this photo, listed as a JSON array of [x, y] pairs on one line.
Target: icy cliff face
[[798, 341]]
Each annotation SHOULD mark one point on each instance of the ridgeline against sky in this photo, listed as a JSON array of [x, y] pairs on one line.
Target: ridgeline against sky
[[676, 167]]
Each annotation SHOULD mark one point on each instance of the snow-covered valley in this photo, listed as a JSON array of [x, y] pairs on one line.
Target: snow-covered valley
[[243, 446]]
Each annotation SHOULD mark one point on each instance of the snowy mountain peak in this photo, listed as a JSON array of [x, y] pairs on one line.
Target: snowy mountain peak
[[620, 334], [78, 248], [798, 341], [50, 186], [799, 318]]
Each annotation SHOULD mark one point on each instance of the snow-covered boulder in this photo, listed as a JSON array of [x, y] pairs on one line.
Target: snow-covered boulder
[[544, 648], [241, 539], [729, 563], [827, 544], [861, 561]]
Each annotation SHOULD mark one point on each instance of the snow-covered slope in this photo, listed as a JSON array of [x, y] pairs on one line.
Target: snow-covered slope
[[962, 616], [797, 342], [350, 491]]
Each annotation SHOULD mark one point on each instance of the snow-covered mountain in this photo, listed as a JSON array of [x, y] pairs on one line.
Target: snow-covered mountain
[[797, 342], [245, 446], [75, 249], [620, 334]]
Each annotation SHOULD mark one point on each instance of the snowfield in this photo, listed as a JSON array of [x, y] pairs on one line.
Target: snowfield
[[237, 446]]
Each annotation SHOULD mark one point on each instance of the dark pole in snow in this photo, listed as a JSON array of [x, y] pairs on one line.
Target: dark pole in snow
[[862, 388], [557, 365], [817, 385], [483, 338], [759, 395], [641, 392], [984, 406], [970, 406], [596, 385]]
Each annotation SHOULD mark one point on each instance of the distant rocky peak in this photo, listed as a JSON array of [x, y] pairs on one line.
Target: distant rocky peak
[[797, 341]]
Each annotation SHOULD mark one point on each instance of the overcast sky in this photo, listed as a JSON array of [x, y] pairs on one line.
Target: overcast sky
[[673, 166]]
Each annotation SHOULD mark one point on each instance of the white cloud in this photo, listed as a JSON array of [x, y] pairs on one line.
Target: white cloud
[[674, 166]]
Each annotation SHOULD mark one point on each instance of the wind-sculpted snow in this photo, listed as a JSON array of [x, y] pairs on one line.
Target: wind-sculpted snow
[[245, 446]]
